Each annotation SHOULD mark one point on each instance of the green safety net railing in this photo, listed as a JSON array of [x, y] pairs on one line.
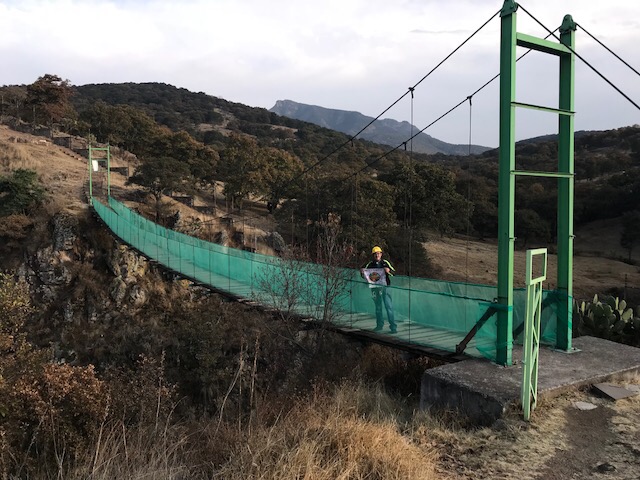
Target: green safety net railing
[[429, 313]]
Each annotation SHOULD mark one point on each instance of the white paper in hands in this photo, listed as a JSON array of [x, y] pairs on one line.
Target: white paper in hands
[[376, 277]]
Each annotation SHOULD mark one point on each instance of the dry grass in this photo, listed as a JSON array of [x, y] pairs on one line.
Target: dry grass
[[513, 450], [477, 262], [353, 433], [356, 433], [14, 156], [136, 453]]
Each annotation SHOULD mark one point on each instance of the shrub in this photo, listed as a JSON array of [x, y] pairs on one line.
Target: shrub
[[48, 411], [58, 409], [20, 192], [15, 227], [141, 395]]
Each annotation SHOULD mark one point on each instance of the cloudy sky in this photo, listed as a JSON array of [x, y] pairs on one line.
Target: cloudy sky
[[359, 55]]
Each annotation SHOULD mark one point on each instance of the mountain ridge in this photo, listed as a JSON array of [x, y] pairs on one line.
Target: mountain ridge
[[385, 131]]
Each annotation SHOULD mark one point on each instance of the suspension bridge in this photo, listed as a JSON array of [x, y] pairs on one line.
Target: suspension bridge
[[450, 319]]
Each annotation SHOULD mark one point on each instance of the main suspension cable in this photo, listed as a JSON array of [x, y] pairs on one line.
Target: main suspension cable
[[608, 49], [584, 61], [486, 84], [350, 139]]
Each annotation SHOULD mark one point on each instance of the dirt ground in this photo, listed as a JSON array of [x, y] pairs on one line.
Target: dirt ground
[[477, 262], [560, 442]]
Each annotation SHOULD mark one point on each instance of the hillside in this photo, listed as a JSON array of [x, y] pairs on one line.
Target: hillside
[[594, 272], [607, 165], [385, 131], [139, 374], [597, 263]]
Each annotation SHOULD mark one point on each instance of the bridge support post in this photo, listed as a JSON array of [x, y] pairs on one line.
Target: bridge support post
[[506, 182], [566, 186]]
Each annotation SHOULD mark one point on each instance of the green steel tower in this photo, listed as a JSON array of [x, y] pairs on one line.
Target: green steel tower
[[510, 39]]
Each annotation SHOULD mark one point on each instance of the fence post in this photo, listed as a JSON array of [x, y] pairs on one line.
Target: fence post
[[532, 332]]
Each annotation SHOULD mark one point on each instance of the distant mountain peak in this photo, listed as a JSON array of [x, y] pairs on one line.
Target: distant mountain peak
[[385, 131]]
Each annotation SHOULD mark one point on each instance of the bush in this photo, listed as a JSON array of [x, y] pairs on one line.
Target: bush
[[48, 411], [15, 227], [20, 192]]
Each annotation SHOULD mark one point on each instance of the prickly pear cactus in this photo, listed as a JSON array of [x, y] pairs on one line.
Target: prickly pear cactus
[[610, 319]]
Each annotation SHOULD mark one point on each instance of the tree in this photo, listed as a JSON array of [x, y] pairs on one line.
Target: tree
[[528, 224], [122, 125], [237, 168], [370, 220], [159, 175], [199, 158], [275, 168], [20, 192], [13, 99], [630, 231], [49, 97], [481, 192], [426, 197]]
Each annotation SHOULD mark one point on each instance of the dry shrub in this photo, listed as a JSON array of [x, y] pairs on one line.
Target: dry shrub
[[48, 411], [142, 395], [87, 280], [15, 227], [352, 434], [13, 156], [52, 413], [122, 451], [68, 401]]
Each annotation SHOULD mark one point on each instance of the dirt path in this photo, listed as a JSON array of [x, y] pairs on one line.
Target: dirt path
[[561, 442]]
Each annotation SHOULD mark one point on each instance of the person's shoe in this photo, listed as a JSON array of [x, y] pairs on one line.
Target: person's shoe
[[377, 329], [393, 330]]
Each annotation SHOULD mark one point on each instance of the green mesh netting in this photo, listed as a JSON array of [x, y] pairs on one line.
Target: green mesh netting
[[429, 313]]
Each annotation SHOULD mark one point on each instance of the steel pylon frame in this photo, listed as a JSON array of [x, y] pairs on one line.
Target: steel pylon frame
[[510, 39], [100, 159]]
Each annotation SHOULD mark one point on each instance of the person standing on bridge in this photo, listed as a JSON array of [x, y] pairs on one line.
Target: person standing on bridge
[[380, 292]]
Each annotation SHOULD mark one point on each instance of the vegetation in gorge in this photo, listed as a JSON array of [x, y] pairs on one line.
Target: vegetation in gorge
[[180, 383]]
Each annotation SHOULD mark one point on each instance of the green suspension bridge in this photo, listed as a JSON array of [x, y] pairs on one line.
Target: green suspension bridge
[[450, 318]]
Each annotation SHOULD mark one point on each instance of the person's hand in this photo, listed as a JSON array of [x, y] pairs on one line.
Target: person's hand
[[386, 269], [362, 272]]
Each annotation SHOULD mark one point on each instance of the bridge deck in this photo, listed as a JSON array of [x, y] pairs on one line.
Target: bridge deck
[[411, 335]]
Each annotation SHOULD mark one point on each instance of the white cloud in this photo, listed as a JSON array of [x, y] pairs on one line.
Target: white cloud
[[349, 54]]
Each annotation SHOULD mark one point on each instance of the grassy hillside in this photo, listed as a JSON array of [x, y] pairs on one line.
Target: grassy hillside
[[168, 381]]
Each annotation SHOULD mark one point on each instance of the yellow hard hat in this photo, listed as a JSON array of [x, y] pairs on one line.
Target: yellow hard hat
[[376, 249]]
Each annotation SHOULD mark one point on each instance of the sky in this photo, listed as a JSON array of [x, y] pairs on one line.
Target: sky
[[357, 55]]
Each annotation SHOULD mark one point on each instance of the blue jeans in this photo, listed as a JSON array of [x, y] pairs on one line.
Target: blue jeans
[[381, 295]]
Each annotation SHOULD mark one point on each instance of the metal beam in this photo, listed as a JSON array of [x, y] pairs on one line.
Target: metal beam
[[544, 109], [506, 182], [541, 45], [566, 186]]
